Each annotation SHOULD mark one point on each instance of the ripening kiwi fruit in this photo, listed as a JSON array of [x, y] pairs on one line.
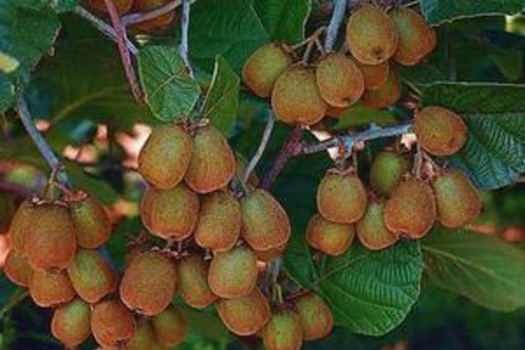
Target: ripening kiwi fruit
[[192, 271], [265, 224], [51, 239], [91, 276], [156, 23], [416, 38], [315, 316], [458, 201], [411, 209], [49, 289], [219, 224], [169, 327], [148, 284], [440, 131], [113, 325], [92, 223], [7, 210], [283, 331], [268, 255], [370, 35], [386, 171], [21, 223], [233, 274], [371, 229], [17, 268], [212, 165], [71, 323], [170, 214], [374, 76], [329, 237], [246, 315], [341, 197], [296, 98], [385, 95], [263, 68], [123, 6], [166, 155], [339, 80], [144, 337]]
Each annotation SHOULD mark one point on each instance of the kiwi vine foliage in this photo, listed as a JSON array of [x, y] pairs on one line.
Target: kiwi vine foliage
[[72, 76]]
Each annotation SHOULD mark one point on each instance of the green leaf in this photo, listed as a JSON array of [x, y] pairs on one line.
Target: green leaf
[[7, 92], [509, 62], [484, 269], [439, 11], [372, 292], [494, 154], [284, 19], [222, 100], [360, 115], [170, 91]]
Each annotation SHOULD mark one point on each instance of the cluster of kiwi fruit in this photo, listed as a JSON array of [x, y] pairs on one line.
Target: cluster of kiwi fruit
[[137, 6]]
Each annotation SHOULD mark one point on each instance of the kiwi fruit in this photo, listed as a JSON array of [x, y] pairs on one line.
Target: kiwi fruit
[[263, 68], [245, 315], [385, 95], [7, 211], [315, 315], [17, 268], [339, 80], [50, 289], [123, 6], [91, 276], [219, 224], [51, 239], [458, 201], [329, 237], [170, 214], [416, 38], [21, 223], [149, 282], [265, 224], [212, 165], [335, 112], [283, 331], [341, 197], [370, 35], [112, 325], [233, 274], [296, 98], [268, 255], [193, 281], [411, 209], [157, 23], [71, 323], [144, 337], [440, 131], [169, 327], [371, 229], [386, 171], [166, 156], [374, 76], [93, 226]]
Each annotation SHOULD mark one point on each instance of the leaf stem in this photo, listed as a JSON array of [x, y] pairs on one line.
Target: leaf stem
[[262, 147]]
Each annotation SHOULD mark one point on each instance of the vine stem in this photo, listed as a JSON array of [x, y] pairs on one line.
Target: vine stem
[[262, 147], [336, 20], [184, 44], [139, 17], [39, 141]]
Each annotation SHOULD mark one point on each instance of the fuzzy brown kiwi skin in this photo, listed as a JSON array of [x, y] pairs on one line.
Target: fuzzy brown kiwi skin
[[328, 237], [17, 268], [193, 280], [21, 224], [283, 331], [50, 289], [170, 327], [70, 323], [315, 315], [371, 230], [112, 324]]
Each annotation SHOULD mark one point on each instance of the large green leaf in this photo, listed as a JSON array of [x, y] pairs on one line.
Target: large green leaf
[[484, 269], [494, 154], [284, 19], [222, 100], [170, 91], [438, 11]]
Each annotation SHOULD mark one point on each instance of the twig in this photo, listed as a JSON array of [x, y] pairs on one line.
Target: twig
[[105, 28], [134, 18], [39, 141], [184, 44], [335, 23], [125, 56], [262, 147]]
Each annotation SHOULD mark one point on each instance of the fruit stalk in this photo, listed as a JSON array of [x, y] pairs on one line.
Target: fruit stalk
[[262, 147]]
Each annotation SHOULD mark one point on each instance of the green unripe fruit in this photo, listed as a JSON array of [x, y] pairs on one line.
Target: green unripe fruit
[[283, 331], [92, 223], [91, 276], [371, 229], [20, 225], [386, 172], [166, 155], [193, 281], [169, 327], [458, 201], [329, 237], [315, 316], [17, 268], [233, 274], [113, 325], [71, 323], [263, 68], [50, 289], [385, 95]]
